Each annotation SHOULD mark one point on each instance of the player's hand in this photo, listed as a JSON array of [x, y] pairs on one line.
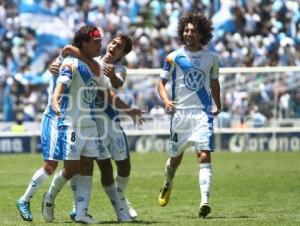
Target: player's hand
[[170, 105], [54, 68], [216, 112], [109, 70], [137, 117]]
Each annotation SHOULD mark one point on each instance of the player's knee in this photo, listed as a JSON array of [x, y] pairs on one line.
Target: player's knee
[[204, 157], [124, 167], [50, 167], [86, 166]]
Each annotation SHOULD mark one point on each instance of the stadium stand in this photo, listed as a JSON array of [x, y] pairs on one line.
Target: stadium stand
[[247, 34]]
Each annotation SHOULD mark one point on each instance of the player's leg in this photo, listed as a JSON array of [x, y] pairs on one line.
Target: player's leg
[[66, 143], [122, 179], [205, 177], [110, 188], [89, 153], [83, 190], [205, 145], [71, 167], [38, 178], [170, 169], [177, 144], [51, 154]]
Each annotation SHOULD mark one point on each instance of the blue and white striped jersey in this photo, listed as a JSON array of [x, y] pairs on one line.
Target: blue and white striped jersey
[[80, 89], [191, 73]]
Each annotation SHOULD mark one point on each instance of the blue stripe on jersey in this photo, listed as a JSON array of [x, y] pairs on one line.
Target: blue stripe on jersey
[[45, 136], [167, 66], [112, 114], [212, 137], [63, 144], [126, 142], [203, 95], [86, 76], [64, 100], [173, 83], [205, 98], [183, 62], [66, 70], [83, 71]]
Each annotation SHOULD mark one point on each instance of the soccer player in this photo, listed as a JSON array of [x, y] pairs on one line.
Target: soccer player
[[114, 144], [194, 74], [73, 103], [51, 155]]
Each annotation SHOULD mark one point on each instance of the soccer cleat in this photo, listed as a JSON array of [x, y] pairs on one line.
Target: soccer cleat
[[204, 210], [85, 219], [123, 215], [164, 196], [132, 212], [73, 214], [24, 209], [48, 208]]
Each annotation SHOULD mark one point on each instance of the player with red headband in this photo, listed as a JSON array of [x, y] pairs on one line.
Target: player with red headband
[[61, 127]]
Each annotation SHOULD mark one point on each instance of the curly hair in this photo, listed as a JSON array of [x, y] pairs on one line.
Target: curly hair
[[203, 25]]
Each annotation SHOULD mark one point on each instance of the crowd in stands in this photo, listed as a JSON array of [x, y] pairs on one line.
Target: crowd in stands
[[246, 33]]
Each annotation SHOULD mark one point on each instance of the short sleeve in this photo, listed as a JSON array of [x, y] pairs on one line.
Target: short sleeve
[[66, 72], [168, 68]]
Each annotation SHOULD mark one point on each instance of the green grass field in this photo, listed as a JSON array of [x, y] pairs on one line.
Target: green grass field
[[248, 189]]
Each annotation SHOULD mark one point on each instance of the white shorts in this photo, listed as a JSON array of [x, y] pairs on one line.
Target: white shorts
[[191, 127], [113, 140], [66, 142]]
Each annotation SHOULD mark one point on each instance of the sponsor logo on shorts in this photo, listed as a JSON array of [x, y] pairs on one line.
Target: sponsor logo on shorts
[[120, 143]]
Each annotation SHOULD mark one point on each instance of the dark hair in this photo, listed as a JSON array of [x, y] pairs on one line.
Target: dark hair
[[203, 25], [83, 35], [127, 39]]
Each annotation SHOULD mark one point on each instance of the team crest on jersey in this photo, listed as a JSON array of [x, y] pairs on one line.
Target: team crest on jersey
[[194, 79], [120, 143], [90, 91]]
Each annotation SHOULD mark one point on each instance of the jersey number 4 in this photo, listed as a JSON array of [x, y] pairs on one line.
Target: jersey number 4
[[174, 137]]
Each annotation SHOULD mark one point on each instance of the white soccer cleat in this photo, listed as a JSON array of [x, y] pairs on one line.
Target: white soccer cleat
[[85, 219], [48, 208], [132, 212], [123, 215]]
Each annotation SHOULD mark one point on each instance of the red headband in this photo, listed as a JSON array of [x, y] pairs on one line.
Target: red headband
[[95, 33]]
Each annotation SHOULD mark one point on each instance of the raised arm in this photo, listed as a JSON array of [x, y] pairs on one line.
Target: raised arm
[[74, 51]]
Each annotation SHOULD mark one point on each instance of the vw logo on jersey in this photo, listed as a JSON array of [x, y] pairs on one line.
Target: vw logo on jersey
[[194, 79], [90, 91]]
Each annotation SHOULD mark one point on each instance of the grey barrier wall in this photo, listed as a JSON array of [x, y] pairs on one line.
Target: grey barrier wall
[[225, 141]]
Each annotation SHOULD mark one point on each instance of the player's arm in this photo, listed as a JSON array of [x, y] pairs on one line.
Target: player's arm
[[64, 80], [116, 79], [74, 51], [134, 113], [215, 86], [56, 100], [168, 68], [215, 91], [162, 91]]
